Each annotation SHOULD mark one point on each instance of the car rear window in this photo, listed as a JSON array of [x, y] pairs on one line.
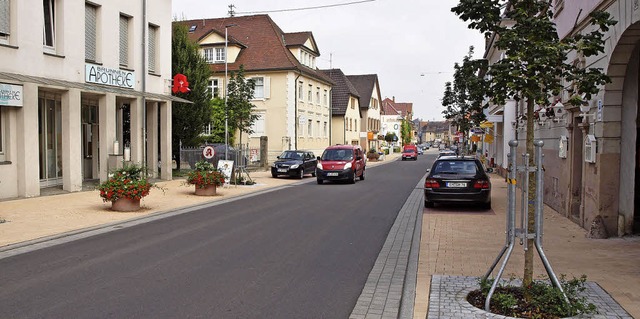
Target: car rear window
[[455, 167], [410, 150]]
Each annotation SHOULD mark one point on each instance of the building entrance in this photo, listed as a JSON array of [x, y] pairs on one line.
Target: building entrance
[[50, 140]]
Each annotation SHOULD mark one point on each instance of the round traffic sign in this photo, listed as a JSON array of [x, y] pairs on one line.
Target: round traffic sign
[[208, 152]]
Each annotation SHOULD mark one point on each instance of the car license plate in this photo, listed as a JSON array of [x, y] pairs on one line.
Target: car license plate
[[282, 170], [332, 174], [456, 184]]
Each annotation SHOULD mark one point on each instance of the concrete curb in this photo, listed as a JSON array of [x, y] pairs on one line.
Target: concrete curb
[[390, 288]]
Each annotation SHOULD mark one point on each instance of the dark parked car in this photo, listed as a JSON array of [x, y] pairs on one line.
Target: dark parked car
[[294, 163], [341, 162], [457, 179], [446, 153]]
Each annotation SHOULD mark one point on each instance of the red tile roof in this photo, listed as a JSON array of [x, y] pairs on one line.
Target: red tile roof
[[391, 107], [263, 43]]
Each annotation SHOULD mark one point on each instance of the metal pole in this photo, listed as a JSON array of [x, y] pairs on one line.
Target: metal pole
[[539, 219], [226, 92], [511, 222]]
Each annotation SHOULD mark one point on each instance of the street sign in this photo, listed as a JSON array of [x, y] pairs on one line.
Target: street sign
[[208, 152]]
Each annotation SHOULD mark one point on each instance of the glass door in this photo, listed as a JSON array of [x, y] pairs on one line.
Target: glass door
[[50, 136]]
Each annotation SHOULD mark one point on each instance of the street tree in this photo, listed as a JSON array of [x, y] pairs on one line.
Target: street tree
[[464, 99], [189, 120], [536, 65], [406, 132], [239, 107], [216, 135]]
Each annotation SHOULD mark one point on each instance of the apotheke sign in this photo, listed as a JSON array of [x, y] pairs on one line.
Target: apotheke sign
[[10, 95], [107, 76]]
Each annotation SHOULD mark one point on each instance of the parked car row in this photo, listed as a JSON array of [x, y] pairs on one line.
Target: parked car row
[[337, 163]]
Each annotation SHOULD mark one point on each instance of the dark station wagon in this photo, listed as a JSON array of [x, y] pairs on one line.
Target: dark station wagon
[[457, 179]]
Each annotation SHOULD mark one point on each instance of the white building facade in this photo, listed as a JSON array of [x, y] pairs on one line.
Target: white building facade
[[80, 82], [592, 161]]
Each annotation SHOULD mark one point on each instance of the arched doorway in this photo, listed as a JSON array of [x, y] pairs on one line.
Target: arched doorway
[[624, 68]]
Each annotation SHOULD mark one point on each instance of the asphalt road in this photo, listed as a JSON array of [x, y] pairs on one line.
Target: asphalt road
[[303, 251]]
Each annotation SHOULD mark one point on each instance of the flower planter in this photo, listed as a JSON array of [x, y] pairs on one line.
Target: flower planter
[[125, 205], [208, 190]]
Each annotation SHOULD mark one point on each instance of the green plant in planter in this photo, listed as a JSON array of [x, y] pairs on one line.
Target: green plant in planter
[[126, 182], [205, 174], [547, 301]]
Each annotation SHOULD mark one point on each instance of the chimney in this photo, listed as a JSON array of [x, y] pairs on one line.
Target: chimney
[[393, 98]]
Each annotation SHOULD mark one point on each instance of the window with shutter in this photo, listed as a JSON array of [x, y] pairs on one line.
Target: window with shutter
[[5, 19], [124, 41], [153, 30], [258, 125], [258, 92], [90, 17]]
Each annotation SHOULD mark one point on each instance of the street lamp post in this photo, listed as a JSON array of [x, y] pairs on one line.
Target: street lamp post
[[226, 91]]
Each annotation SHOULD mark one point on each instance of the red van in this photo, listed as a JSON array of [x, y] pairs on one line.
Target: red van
[[410, 152], [341, 162]]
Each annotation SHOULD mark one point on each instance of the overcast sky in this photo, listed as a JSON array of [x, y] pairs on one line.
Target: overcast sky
[[411, 45]]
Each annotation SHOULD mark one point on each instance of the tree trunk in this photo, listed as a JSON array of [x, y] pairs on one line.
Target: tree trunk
[[527, 279]]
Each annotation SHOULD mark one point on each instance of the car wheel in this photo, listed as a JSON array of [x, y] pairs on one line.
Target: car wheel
[[274, 175], [301, 173], [486, 206], [362, 176], [313, 173], [428, 204], [353, 178], [320, 181]]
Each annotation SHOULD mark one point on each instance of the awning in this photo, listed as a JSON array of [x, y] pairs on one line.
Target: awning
[[89, 87]]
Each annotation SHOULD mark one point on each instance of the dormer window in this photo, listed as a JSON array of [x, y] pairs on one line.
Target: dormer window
[[220, 55], [213, 55], [193, 28]]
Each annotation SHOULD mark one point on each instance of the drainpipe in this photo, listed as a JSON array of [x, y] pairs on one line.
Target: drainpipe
[[330, 115], [144, 82], [295, 103]]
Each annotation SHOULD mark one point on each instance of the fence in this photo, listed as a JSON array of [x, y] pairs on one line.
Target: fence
[[243, 157]]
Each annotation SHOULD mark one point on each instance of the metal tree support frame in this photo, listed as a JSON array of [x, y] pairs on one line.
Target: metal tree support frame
[[523, 232]]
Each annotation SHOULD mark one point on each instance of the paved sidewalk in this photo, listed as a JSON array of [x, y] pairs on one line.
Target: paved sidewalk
[[465, 243]]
